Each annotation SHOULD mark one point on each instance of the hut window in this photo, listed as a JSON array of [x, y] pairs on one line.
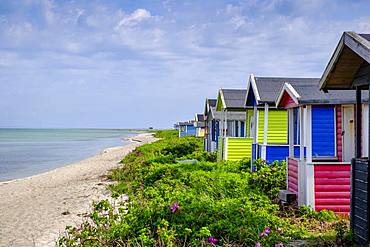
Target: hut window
[[242, 129], [213, 130]]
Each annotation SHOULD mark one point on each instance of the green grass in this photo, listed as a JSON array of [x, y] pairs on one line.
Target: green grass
[[192, 204]]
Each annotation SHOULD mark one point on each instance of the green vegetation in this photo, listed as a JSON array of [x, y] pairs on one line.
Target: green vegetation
[[196, 204]]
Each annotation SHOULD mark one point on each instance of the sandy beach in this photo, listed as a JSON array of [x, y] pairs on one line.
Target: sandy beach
[[35, 210]]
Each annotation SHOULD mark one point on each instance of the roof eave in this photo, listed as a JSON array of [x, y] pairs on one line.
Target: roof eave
[[358, 45], [287, 87]]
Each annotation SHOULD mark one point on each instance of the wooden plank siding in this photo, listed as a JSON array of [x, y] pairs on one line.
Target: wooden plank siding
[[338, 111], [332, 187], [293, 175], [359, 200], [239, 148], [323, 132], [249, 116], [277, 131]]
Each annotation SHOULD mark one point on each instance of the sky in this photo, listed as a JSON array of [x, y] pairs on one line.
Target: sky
[[136, 64]]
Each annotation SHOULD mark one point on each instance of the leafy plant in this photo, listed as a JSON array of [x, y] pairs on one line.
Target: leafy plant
[[188, 204], [269, 179]]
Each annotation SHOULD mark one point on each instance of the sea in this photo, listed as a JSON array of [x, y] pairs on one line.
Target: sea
[[27, 152]]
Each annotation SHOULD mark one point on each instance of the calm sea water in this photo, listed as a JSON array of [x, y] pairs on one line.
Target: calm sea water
[[26, 152]]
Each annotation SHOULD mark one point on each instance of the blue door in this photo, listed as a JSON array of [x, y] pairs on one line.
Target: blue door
[[323, 132]]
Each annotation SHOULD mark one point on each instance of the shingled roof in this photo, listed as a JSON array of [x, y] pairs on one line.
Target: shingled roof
[[311, 94], [190, 122], [212, 102], [231, 98], [266, 89], [208, 106], [199, 117]]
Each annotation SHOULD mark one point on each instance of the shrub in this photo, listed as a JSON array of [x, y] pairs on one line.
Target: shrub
[[323, 215], [187, 204], [269, 179]]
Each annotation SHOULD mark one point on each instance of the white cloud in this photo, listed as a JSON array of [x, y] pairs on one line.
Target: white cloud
[[184, 51], [133, 19]]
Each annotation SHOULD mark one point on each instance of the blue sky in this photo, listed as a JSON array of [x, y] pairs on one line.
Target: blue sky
[[126, 64]]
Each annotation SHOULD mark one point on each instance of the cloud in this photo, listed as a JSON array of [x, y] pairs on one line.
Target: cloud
[[135, 18], [165, 58]]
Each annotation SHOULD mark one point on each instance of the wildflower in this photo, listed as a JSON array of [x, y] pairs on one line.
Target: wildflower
[[257, 244], [142, 185], [267, 230], [279, 244], [262, 234], [212, 240], [174, 207]]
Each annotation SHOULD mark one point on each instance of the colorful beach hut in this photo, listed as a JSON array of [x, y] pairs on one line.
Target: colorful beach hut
[[323, 126], [267, 125], [212, 125], [199, 125], [232, 144], [349, 69], [186, 128]]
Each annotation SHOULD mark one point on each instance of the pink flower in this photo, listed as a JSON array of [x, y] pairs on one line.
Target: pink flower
[[262, 234], [267, 230], [174, 207], [257, 244], [212, 240], [279, 244]]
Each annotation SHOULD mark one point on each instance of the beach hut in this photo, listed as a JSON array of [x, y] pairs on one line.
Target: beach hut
[[186, 128], [323, 126], [232, 144], [349, 69], [212, 123], [199, 125], [267, 125]]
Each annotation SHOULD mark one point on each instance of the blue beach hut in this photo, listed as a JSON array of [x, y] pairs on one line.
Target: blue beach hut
[[267, 125]]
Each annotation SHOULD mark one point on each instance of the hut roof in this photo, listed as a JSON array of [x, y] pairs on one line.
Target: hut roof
[[231, 99], [266, 89], [199, 117], [208, 106], [349, 66], [311, 94], [186, 123]]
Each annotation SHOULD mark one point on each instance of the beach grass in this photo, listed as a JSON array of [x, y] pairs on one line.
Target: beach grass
[[161, 202]]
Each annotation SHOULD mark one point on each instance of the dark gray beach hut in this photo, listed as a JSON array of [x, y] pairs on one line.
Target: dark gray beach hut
[[349, 69]]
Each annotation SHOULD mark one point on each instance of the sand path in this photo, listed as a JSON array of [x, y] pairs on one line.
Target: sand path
[[35, 210]]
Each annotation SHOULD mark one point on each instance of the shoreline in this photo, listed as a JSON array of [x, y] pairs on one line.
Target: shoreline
[[35, 210], [130, 140]]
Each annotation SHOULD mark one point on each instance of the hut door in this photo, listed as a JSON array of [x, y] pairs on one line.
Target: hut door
[[348, 133]]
